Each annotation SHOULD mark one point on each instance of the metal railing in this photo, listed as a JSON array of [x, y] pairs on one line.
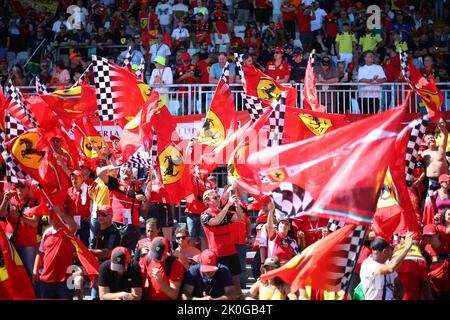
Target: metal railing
[[343, 98]]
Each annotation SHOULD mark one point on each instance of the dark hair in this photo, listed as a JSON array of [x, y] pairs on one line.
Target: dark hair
[[60, 64], [378, 244], [443, 215]]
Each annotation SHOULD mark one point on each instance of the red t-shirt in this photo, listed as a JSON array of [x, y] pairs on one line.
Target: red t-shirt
[[283, 70], [281, 248], [154, 291], [311, 229], [239, 228], [219, 237], [204, 67], [202, 28], [75, 206], [236, 42], [193, 204], [220, 19], [303, 21], [26, 235], [261, 4], [439, 270], [288, 16], [392, 68], [331, 25], [58, 254], [123, 206]]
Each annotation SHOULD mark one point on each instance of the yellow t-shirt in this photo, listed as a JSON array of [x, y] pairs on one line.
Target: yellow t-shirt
[[345, 41], [369, 42], [401, 44], [100, 193]]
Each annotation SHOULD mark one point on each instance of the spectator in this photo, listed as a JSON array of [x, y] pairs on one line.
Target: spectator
[[121, 38], [62, 39], [61, 75], [216, 224], [208, 280], [76, 68], [298, 66], [44, 76], [161, 78], [319, 16], [186, 73], [345, 45], [98, 16], [326, 74], [262, 11], [429, 69], [370, 41], [202, 30], [304, 16], [102, 39], [309, 229], [288, 10], [164, 12], [136, 55], [220, 28], [36, 49], [17, 76], [80, 38], [180, 36], [392, 66], [164, 272], [201, 8], [242, 11], [133, 28], [276, 15], [269, 36], [398, 42], [373, 75], [236, 43], [378, 277], [278, 69], [204, 52], [282, 37], [119, 277], [186, 253], [77, 204], [216, 69], [179, 10], [159, 49], [254, 40], [58, 23], [272, 289]]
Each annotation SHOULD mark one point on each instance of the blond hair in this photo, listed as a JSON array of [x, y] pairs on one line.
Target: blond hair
[[207, 193]]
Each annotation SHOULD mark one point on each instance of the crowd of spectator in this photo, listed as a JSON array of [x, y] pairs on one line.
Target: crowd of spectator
[[191, 36]]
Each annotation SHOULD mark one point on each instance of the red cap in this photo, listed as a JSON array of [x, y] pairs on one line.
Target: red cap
[[278, 49], [278, 26], [77, 173], [208, 261], [186, 56], [444, 178], [429, 230], [105, 209], [113, 137]]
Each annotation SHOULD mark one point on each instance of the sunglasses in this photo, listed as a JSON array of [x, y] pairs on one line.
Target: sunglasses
[[214, 198], [181, 238]]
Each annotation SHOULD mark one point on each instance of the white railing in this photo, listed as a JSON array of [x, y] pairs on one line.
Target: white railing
[[343, 98]]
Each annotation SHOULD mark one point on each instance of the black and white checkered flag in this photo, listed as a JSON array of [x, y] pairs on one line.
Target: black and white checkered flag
[[334, 224], [14, 172], [13, 127], [139, 159], [154, 148], [140, 70], [404, 66], [103, 89], [254, 106], [418, 128], [20, 107], [40, 87], [82, 77], [239, 71], [225, 73], [290, 200], [276, 121], [127, 60]]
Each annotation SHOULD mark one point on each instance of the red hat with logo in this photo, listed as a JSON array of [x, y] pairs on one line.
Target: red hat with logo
[[444, 178], [208, 261], [186, 56]]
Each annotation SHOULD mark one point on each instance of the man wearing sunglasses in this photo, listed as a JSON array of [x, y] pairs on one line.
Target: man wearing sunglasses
[[278, 69], [185, 252]]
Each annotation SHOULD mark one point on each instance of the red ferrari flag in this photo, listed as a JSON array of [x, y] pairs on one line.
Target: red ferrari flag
[[87, 138], [152, 105], [338, 175], [14, 281], [427, 90], [321, 265], [310, 100]]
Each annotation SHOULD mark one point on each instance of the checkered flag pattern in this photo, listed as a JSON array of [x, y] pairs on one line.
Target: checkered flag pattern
[[140, 71], [290, 200], [40, 87], [276, 121], [418, 128], [312, 56], [13, 127], [225, 73], [254, 106], [334, 225], [154, 149], [127, 60], [14, 172], [21, 109], [140, 159], [82, 77], [404, 66], [103, 89], [346, 262]]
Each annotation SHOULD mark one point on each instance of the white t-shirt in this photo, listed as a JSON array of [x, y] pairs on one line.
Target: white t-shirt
[[163, 11], [318, 22], [180, 33], [57, 26], [373, 284], [159, 50], [166, 78], [368, 72]]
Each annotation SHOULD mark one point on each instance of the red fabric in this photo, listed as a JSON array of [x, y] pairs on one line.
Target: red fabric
[[310, 99], [57, 256], [311, 229], [219, 237], [204, 67], [280, 250], [151, 106], [239, 230], [130, 139], [329, 174], [412, 283], [26, 235], [429, 211], [120, 202], [277, 73], [363, 255], [176, 275], [202, 30], [261, 4], [193, 204], [220, 19], [85, 133], [316, 265], [303, 21], [75, 206], [288, 16], [331, 26], [392, 68], [16, 285], [439, 272]]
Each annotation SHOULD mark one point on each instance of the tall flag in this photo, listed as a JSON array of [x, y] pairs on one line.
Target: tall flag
[[140, 159], [338, 175], [40, 87], [257, 84], [87, 136], [14, 281], [327, 264], [310, 100], [254, 106], [276, 121], [19, 108], [120, 95], [431, 96], [419, 127]]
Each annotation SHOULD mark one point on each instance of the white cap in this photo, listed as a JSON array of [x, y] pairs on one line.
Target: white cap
[[429, 21]]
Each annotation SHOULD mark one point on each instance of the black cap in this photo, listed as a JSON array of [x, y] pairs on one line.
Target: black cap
[[160, 247], [326, 60], [379, 244]]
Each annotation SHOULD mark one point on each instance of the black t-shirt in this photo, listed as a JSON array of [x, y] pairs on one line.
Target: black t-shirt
[[298, 70], [108, 238], [214, 287], [130, 279], [121, 40]]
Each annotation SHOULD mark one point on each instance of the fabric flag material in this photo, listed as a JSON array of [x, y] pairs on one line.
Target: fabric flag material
[[427, 90], [257, 84], [276, 121], [310, 100], [14, 281], [83, 78], [323, 265], [40, 87], [419, 127], [87, 135], [140, 159], [339, 175], [131, 138], [19, 109], [254, 105]]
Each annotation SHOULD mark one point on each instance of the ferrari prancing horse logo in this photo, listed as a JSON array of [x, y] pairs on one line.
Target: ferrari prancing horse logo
[[172, 165], [24, 150]]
